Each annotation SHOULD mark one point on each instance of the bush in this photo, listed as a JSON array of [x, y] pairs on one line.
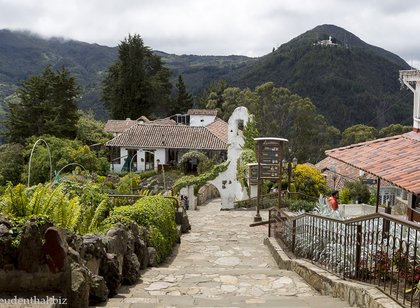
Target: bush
[[157, 214], [309, 180], [358, 191], [299, 205]]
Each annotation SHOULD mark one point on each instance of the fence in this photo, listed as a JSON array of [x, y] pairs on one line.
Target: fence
[[378, 249]]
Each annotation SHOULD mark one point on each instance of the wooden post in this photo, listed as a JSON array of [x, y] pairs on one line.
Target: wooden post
[[257, 216], [378, 187], [293, 235], [358, 249]]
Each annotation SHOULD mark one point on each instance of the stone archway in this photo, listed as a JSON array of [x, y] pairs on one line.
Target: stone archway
[[228, 186], [207, 192]]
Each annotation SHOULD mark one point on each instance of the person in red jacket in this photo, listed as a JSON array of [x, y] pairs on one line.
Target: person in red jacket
[[333, 200]]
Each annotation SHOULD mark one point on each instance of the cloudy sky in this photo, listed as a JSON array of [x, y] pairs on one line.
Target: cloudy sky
[[218, 27]]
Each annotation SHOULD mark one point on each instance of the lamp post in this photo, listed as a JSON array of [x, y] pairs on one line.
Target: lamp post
[[163, 173], [333, 169], [289, 166], [129, 169]]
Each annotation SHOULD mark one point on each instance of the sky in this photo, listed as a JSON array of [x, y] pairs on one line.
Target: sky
[[218, 27]]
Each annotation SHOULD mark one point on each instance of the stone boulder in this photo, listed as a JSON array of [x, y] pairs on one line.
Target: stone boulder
[[111, 273], [7, 252], [78, 284], [152, 256], [98, 290], [55, 249], [30, 255], [93, 251], [131, 269]]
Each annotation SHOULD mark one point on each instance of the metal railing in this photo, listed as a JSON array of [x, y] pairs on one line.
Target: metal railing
[[378, 249]]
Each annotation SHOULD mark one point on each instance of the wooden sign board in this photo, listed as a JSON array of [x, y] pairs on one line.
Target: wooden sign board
[[270, 171], [253, 174]]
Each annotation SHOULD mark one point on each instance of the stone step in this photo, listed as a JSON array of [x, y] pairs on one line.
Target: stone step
[[229, 301]]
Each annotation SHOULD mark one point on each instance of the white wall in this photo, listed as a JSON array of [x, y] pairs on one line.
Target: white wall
[[117, 167], [161, 155], [201, 120], [232, 190]]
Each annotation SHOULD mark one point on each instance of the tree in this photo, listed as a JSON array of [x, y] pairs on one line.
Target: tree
[[12, 161], [45, 104], [250, 132], [63, 152], [137, 83], [91, 131], [281, 113], [214, 99], [183, 100], [309, 180], [394, 129], [358, 133]]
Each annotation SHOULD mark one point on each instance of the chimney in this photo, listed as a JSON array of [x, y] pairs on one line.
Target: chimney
[[411, 78]]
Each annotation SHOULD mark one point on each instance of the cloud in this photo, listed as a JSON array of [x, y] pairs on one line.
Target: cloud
[[217, 27]]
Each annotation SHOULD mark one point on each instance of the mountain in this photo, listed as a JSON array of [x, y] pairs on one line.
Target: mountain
[[349, 81], [23, 54]]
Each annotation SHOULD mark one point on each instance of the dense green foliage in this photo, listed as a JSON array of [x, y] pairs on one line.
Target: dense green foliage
[[200, 180], [279, 112], [350, 83], [250, 133], [298, 205], [247, 156], [394, 129], [45, 104], [358, 133], [63, 152], [358, 191], [137, 83], [183, 100], [267, 201], [91, 131], [340, 81], [157, 214], [309, 180], [21, 202], [12, 163]]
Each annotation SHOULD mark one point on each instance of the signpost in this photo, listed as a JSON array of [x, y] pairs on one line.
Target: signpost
[[269, 157]]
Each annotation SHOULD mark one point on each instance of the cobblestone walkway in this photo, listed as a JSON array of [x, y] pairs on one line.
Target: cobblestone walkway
[[222, 262]]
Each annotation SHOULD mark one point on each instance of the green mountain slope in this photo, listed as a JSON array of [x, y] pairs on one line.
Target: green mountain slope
[[350, 82], [23, 55]]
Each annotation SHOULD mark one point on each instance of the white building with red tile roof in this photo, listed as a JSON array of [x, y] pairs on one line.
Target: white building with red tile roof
[[144, 144]]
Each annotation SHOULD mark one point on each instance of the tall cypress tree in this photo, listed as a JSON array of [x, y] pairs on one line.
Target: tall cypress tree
[[137, 83], [45, 104], [183, 100]]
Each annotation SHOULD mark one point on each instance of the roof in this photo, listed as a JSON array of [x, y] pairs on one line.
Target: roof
[[395, 159], [171, 136], [343, 173], [118, 126], [220, 129], [209, 112]]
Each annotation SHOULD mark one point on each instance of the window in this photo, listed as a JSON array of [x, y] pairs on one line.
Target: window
[[114, 155]]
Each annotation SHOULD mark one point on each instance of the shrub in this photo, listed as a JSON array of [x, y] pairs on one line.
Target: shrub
[[157, 214], [309, 180], [358, 191], [299, 205]]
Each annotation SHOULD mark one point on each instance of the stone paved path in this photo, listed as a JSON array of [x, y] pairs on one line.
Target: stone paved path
[[222, 262]]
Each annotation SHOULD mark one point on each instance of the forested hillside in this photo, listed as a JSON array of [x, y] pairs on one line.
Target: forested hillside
[[351, 82]]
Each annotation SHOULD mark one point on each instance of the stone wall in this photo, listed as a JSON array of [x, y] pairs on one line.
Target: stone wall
[[356, 294], [207, 192], [84, 269]]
